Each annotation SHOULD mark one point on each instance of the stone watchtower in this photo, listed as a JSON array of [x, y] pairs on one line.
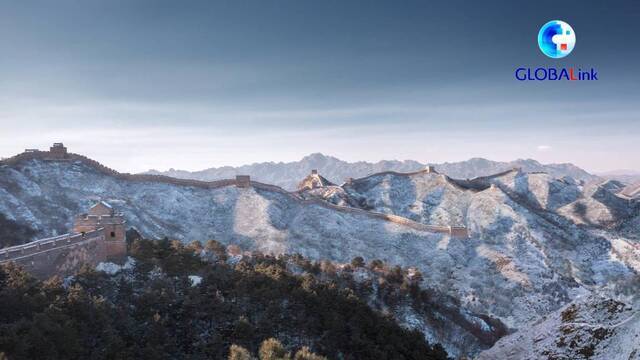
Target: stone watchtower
[[58, 151], [243, 181], [102, 215]]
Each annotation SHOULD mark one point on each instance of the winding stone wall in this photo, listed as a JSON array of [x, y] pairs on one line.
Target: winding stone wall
[[60, 255], [455, 231], [243, 182], [632, 191]]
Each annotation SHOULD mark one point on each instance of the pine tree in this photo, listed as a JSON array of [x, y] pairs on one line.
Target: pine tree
[[306, 354], [216, 250], [357, 262], [272, 349], [239, 353]]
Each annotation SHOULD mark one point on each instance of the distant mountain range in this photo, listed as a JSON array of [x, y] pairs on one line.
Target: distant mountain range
[[288, 175], [625, 176]]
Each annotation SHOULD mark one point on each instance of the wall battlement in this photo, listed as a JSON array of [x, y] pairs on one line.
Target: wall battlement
[[98, 236], [60, 255]]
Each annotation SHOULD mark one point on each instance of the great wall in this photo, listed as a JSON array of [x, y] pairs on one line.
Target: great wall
[[97, 236], [60, 255], [479, 183], [59, 153], [631, 191], [100, 235]]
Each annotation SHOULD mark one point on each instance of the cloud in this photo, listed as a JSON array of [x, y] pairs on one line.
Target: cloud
[[544, 148]]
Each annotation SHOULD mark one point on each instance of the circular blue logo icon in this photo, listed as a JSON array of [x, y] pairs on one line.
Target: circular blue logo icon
[[556, 39]]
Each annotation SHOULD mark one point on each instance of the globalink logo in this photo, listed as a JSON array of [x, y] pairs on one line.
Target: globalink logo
[[556, 39]]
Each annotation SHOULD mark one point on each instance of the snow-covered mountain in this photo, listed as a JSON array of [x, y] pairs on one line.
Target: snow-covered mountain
[[432, 198], [531, 225], [592, 327], [632, 190], [288, 175], [46, 195], [481, 167], [524, 258]]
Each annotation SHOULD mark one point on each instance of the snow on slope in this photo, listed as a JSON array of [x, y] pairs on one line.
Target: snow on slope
[[594, 204], [517, 265], [601, 205], [631, 227], [433, 198], [592, 327], [425, 197], [513, 226], [250, 216], [47, 195], [540, 189]]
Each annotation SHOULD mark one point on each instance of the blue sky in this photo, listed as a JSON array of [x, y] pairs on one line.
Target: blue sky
[[159, 84]]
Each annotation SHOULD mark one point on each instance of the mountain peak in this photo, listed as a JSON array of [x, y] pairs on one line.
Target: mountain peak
[[318, 157]]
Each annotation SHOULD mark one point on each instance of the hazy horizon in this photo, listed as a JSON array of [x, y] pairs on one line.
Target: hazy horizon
[[615, 172], [157, 84]]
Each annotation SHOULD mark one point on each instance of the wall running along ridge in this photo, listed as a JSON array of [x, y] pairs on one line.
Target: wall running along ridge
[[241, 181]]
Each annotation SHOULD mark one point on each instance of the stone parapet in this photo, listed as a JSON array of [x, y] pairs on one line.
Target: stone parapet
[[61, 255]]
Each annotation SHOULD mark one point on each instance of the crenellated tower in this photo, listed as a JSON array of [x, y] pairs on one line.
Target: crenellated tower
[[102, 215]]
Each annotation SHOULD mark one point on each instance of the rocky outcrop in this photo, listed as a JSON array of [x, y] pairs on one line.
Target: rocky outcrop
[[593, 327]]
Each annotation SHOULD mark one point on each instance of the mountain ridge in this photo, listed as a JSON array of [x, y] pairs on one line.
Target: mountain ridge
[[288, 174], [520, 260]]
